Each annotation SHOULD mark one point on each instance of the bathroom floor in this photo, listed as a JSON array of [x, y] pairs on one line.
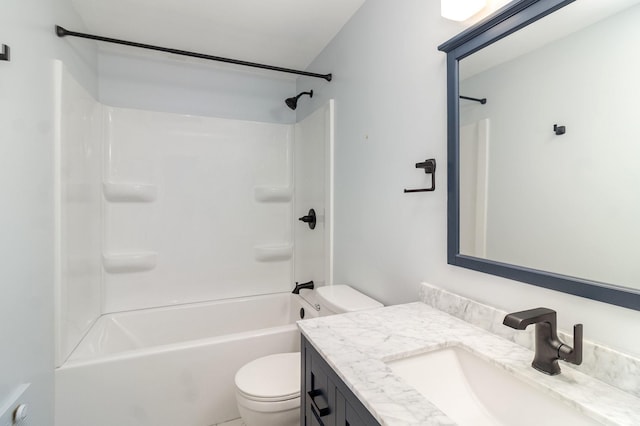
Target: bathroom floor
[[236, 422]]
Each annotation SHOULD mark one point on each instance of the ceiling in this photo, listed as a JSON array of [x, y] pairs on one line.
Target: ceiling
[[286, 33]]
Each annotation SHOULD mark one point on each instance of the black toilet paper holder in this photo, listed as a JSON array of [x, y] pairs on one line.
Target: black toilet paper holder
[[429, 167]]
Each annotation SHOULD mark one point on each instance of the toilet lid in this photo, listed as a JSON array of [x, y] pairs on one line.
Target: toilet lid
[[273, 377], [342, 298]]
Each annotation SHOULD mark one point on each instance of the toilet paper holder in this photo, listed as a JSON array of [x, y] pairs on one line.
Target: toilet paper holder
[[5, 53], [429, 167]]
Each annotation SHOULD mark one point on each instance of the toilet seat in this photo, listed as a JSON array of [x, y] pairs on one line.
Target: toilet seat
[[282, 398], [272, 378]]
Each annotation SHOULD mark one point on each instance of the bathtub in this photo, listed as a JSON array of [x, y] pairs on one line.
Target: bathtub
[[172, 366]]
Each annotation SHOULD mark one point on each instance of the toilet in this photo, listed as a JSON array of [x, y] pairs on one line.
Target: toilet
[[268, 388]]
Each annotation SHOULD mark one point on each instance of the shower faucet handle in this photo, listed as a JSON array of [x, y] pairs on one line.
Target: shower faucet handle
[[309, 219]]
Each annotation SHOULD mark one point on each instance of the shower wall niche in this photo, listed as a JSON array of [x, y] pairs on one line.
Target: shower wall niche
[[160, 208]]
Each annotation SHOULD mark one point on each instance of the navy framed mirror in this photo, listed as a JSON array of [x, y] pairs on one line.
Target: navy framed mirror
[[542, 146]]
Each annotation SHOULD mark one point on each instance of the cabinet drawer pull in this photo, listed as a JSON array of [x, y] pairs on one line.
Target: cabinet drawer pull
[[319, 421], [319, 402]]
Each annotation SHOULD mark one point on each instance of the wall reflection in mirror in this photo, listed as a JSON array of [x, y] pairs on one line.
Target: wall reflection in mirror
[[564, 203]]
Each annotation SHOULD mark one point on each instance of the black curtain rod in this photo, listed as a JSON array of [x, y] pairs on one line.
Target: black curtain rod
[[482, 101], [62, 32]]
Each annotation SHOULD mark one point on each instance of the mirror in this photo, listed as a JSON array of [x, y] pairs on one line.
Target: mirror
[[543, 182]]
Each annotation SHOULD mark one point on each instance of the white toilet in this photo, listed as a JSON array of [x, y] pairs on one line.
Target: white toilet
[[268, 388]]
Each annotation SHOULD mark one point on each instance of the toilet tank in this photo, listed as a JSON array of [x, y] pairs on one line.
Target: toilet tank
[[338, 299], [304, 305]]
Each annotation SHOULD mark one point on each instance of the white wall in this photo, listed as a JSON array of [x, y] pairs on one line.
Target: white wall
[[389, 91], [135, 78], [26, 182]]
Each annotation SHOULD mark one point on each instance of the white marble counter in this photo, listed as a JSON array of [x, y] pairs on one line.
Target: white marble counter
[[358, 344]]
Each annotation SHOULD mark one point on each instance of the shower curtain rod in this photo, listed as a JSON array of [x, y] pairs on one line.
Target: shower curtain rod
[[62, 32], [482, 101]]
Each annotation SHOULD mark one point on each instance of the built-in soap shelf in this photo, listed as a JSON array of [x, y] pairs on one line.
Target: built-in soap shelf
[[273, 194], [273, 252], [131, 261], [129, 192]]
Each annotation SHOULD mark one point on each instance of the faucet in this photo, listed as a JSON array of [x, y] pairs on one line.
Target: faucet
[[549, 349], [308, 285]]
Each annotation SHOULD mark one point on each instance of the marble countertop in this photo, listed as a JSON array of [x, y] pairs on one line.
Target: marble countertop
[[358, 345]]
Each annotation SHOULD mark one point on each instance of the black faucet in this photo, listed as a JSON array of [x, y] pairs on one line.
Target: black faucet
[[549, 349], [308, 285]]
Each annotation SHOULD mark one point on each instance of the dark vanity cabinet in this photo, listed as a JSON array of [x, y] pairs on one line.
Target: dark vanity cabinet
[[326, 400]]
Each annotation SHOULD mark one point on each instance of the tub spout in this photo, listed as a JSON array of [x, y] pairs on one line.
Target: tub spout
[[308, 285]]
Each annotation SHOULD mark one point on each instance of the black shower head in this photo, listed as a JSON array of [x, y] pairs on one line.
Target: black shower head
[[293, 102]]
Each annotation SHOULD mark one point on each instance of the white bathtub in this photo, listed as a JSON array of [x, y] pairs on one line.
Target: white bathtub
[[172, 366]]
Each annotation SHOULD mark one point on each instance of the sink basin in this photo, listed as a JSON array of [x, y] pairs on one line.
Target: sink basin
[[472, 391]]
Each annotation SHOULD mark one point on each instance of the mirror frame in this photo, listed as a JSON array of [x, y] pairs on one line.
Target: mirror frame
[[505, 21]]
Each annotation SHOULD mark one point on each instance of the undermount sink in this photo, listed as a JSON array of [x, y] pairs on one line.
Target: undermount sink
[[472, 391]]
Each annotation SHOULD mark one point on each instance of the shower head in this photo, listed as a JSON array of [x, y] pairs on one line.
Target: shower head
[[293, 102]]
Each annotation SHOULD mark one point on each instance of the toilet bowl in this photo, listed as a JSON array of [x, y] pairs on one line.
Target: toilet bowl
[[268, 388]]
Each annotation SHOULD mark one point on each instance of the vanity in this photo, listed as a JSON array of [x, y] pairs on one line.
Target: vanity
[[374, 367], [326, 399]]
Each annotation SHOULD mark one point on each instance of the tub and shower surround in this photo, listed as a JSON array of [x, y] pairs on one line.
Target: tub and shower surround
[[213, 215], [78, 212], [170, 225], [158, 209], [203, 208]]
